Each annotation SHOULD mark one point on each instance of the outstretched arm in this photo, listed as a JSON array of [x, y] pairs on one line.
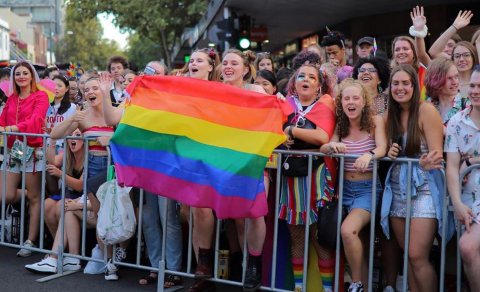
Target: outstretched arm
[[462, 20], [111, 114], [419, 23]]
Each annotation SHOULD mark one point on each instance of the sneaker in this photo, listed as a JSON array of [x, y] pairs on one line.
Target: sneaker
[[356, 287], [388, 289], [47, 265], [26, 252], [94, 268], [71, 264], [111, 272], [120, 254]]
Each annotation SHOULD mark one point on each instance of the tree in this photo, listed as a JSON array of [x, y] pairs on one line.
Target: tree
[[142, 50], [161, 21], [83, 42]]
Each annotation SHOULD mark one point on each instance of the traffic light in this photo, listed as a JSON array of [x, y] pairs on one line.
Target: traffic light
[[244, 27], [227, 31]]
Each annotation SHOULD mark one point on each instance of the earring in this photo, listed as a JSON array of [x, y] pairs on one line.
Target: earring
[[379, 88]]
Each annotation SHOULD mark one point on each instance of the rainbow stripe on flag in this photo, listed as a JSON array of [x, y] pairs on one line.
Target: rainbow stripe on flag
[[202, 143], [421, 79]]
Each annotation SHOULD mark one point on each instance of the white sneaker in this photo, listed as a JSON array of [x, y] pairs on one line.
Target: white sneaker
[[26, 252], [111, 272], [71, 264], [95, 268], [47, 265]]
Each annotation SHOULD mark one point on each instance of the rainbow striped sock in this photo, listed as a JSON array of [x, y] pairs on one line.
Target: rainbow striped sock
[[327, 269], [297, 264]]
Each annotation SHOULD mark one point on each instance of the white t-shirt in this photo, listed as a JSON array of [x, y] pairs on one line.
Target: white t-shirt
[[53, 118]]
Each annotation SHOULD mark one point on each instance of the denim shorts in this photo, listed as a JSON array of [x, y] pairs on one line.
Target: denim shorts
[[358, 194], [96, 164]]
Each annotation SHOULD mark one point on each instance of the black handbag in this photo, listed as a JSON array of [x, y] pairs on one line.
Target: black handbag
[[327, 224], [297, 165]]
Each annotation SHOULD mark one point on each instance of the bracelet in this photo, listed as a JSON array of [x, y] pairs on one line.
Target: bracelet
[[290, 131], [455, 27], [372, 153], [420, 34], [467, 162]]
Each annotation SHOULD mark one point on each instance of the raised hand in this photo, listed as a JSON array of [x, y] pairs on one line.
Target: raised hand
[[463, 19], [418, 18], [105, 79]]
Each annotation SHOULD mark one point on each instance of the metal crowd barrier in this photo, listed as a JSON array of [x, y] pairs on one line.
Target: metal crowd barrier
[[188, 273]]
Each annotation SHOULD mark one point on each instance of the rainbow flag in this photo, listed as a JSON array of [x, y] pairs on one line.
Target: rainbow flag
[[202, 143], [421, 77]]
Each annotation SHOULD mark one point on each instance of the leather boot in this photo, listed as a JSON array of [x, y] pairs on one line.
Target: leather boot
[[253, 274], [204, 266]]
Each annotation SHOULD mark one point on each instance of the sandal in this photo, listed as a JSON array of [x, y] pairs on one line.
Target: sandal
[[148, 279], [172, 281]]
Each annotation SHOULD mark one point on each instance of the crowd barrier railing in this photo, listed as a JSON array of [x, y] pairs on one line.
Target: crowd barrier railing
[[188, 272]]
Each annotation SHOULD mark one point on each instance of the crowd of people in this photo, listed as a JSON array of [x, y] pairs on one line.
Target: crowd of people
[[419, 104]]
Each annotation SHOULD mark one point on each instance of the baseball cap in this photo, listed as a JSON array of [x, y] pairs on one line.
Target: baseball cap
[[365, 40]]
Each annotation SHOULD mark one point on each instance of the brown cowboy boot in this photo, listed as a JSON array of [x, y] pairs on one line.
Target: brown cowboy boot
[[204, 266]]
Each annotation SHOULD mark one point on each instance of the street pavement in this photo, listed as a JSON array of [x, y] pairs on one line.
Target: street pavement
[[14, 278]]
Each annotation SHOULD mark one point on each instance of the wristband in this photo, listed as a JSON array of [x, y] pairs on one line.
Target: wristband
[[454, 27], [372, 153], [290, 132], [468, 163], [420, 34]]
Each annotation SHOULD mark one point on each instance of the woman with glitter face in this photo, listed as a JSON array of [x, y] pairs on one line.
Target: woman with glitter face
[[310, 125]]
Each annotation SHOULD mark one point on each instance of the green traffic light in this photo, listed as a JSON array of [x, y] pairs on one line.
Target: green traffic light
[[244, 43]]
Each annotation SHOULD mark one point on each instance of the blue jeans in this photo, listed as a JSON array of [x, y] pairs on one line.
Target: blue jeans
[[96, 164], [153, 212], [358, 194]]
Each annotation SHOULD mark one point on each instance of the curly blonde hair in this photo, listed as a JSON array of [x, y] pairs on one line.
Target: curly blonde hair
[[343, 123]]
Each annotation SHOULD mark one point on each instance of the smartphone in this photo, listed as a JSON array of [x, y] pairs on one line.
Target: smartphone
[[399, 141]]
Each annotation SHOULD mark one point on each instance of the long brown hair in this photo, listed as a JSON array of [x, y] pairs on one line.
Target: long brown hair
[[33, 83], [394, 124], [70, 165], [343, 123]]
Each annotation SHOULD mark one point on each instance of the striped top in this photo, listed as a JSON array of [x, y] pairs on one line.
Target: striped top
[[358, 147], [96, 131]]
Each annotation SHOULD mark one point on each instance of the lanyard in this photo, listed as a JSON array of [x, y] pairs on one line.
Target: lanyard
[[299, 119]]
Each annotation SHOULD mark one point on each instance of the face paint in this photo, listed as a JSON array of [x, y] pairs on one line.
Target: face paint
[[301, 77]]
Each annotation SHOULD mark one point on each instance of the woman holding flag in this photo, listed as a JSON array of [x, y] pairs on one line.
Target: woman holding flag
[[237, 69]]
